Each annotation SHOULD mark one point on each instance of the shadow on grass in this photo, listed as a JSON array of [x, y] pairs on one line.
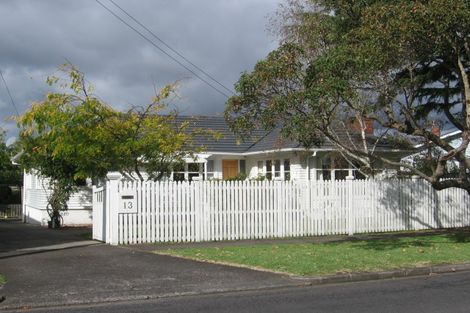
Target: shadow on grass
[[395, 243], [391, 243], [460, 236]]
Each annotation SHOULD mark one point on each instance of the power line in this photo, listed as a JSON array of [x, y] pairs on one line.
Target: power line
[[163, 51], [9, 94], [169, 47]]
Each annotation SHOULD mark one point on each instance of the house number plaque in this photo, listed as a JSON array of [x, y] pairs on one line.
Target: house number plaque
[[128, 203]]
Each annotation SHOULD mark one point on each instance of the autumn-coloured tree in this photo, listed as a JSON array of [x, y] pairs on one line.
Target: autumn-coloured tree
[[71, 136]]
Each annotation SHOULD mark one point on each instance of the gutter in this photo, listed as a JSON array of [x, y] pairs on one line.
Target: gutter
[[450, 136], [292, 150]]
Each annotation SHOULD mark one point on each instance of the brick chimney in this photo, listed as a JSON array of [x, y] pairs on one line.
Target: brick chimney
[[436, 130], [369, 125]]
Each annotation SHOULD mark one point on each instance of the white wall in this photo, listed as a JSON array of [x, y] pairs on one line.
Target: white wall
[[79, 211], [299, 168], [298, 165]]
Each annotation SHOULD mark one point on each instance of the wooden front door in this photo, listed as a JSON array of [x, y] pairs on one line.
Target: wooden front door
[[229, 168]]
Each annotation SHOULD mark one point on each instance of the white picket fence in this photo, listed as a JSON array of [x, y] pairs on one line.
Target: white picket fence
[[11, 211], [213, 211]]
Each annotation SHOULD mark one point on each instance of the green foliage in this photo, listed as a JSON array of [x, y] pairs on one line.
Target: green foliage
[[10, 194], [239, 176], [260, 177], [10, 174], [3, 279], [71, 136], [402, 64]]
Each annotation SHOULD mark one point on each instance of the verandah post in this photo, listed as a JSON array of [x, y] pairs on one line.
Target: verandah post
[[112, 209], [350, 204]]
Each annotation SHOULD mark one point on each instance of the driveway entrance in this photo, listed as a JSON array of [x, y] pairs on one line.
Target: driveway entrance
[[99, 273], [15, 235]]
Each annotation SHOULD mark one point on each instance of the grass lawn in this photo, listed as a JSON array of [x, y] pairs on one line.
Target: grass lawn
[[2, 279], [342, 257]]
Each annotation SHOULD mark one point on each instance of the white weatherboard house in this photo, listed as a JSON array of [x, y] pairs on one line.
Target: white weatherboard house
[[36, 190], [265, 154]]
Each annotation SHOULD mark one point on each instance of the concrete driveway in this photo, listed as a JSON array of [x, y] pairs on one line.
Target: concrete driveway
[[101, 273]]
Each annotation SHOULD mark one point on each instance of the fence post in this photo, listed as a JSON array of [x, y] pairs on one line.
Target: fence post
[[350, 202], [112, 207]]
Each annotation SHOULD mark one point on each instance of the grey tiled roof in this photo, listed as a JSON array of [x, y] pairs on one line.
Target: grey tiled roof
[[260, 140], [228, 142], [273, 141]]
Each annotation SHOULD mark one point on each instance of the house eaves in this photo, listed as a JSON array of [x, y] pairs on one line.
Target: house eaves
[[448, 137]]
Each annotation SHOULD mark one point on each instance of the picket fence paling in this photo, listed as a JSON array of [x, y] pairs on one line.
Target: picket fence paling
[[11, 210], [236, 210]]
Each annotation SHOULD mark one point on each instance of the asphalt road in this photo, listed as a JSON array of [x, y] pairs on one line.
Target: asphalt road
[[440, 293]]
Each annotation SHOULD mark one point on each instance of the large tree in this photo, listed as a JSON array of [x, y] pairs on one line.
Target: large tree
[[71, 136], [402, 64]]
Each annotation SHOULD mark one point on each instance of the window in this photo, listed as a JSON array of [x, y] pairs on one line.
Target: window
[[326, 168], [193, 170], [341, 174], [269, 170], [210, 169], [188, 171], [277, 168], [178, 172], [260, 168], [242, 165], [286, 169]]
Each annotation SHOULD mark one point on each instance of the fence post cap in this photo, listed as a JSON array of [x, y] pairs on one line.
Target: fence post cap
[[349, 177], [113, 176]]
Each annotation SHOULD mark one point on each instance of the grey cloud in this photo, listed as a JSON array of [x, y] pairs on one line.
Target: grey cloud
[[224, 38]]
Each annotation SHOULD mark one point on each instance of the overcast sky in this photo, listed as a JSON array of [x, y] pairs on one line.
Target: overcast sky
[[223, 37]]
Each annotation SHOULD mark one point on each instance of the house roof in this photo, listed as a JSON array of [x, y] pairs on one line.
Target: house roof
[[273, 141], [448, 135], [260, 140], [228, 141]]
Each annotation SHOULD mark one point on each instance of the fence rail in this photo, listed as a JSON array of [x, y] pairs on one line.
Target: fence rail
[[8, 211], [208, 211]]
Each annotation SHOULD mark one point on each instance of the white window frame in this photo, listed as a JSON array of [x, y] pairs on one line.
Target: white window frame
[[209, 175], [283, 170], [275, 175], [186, 172]]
